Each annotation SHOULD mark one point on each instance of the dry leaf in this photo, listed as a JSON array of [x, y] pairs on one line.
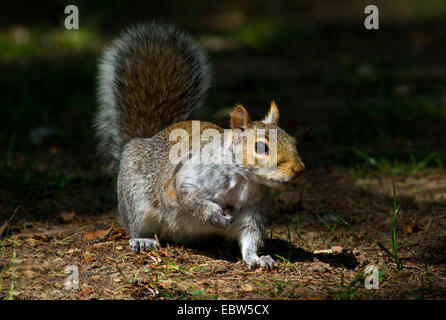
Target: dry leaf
[[67, 216], [87, 259], [118, 234], [85, 291], [337, 249], [32, 242], [411, 227], [29, 274], [157, 241], [247, 287], [163, 284], [96, 235]]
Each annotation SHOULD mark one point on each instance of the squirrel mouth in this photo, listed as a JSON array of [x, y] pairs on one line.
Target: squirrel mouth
[[277, 183], [286, 180]]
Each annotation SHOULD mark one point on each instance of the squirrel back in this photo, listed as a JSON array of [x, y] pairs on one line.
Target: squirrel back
[[152, 76]]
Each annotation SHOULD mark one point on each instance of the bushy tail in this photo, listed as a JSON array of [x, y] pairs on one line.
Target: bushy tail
[[152, 76]]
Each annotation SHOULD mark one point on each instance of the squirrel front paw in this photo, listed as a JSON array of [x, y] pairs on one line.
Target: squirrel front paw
[[263, 261], [142, 244], [219, 217]]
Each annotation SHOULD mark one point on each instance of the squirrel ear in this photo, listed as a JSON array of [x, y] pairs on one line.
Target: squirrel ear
[[273, 114], [240, 118]]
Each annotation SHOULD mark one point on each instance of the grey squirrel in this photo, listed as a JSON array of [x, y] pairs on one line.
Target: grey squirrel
[[151, 79]]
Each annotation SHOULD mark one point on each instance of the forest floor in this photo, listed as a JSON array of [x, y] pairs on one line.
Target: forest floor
[[324, 233], [368, 110]]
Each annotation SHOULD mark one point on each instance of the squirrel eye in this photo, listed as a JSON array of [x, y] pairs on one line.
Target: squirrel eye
[[261, 148]]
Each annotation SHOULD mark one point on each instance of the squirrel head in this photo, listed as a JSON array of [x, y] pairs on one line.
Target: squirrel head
[[264, 149]]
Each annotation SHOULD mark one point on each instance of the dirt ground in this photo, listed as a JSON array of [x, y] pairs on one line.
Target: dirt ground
[[368, 110], [313, 255]]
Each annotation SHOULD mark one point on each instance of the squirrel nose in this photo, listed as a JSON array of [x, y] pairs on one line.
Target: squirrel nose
[[298, 169]]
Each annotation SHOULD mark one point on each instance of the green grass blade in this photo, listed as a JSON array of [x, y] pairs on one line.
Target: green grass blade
[[396, 209]]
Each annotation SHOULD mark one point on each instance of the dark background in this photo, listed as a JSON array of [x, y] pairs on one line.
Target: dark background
[[347, 93]]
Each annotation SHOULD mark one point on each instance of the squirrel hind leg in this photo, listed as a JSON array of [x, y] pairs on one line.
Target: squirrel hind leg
[[142, 244]]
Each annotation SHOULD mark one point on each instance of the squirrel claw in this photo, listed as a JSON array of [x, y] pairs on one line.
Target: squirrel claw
[[219, 217], [221, 221], [263, 262], [142, 244]]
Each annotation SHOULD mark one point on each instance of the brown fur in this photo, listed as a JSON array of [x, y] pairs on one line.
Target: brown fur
[[152, 90], [152, 76]]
